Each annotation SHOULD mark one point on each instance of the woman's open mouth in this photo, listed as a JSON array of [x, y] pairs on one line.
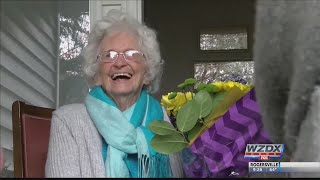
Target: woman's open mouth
[[120, 76]]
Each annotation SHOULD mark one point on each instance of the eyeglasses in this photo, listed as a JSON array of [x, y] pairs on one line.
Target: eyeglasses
[[111, 56]]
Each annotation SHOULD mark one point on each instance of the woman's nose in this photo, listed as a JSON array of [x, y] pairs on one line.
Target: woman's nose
[[120, 61]]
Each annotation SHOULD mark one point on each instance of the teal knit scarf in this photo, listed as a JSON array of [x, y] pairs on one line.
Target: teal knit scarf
[[128, 137]]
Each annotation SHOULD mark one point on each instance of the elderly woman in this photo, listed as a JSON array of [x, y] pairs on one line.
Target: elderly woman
[[107, 136]]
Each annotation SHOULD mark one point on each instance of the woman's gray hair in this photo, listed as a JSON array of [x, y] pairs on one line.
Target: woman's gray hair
[[116, 21]]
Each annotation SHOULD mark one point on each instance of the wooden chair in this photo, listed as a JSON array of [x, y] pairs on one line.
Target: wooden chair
[[31, 129]]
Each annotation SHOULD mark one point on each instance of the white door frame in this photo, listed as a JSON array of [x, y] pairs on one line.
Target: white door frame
[[99, 8]]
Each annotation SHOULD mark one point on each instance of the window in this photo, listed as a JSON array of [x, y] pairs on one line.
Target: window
[[223, 39], [239, 71], [74, 29], [228, 42]]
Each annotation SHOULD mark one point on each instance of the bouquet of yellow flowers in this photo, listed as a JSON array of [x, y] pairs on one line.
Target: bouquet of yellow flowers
[[210, 125], [193, 112]]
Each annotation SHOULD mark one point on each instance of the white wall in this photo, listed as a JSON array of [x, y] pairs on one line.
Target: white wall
[[28, 57]]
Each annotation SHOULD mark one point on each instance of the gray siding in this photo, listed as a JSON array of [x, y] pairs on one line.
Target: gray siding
[[28, 34]]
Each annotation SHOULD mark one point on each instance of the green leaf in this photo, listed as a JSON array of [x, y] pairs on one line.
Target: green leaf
[[182, 85], [211, 88], [190, 81], [217, 100], [188, 116], [201, 86], [204, 101], [172, 95], [161, 127], [203, 98], [194, 131], [168, 144]]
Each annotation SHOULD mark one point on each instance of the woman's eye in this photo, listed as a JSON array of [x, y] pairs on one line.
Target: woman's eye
[[131, 53], [111, 55]]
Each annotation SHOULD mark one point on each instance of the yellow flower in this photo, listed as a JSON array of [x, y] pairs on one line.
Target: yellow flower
[[226, 86], [173, 105], [219, 85], [178, 101], [189, 96], [168, 104]]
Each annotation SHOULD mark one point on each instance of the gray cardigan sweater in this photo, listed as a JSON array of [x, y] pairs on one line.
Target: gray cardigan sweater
[[75, 146]]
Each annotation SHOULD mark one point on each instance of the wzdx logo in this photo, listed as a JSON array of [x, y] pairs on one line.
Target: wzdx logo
[[264, 151]]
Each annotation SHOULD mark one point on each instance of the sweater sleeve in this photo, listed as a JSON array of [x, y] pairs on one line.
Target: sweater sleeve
[[63, 154]]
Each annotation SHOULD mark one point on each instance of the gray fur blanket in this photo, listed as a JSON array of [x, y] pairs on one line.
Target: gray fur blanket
[[287, 74]]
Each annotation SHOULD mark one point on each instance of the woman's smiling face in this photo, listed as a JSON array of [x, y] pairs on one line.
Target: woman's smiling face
[[122, 78]]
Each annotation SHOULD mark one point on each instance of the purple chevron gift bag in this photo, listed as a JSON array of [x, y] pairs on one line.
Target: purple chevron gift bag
[[219, 151]]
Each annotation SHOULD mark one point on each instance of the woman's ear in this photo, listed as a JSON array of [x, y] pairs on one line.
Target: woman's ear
[[97, 79], [146, 81]]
